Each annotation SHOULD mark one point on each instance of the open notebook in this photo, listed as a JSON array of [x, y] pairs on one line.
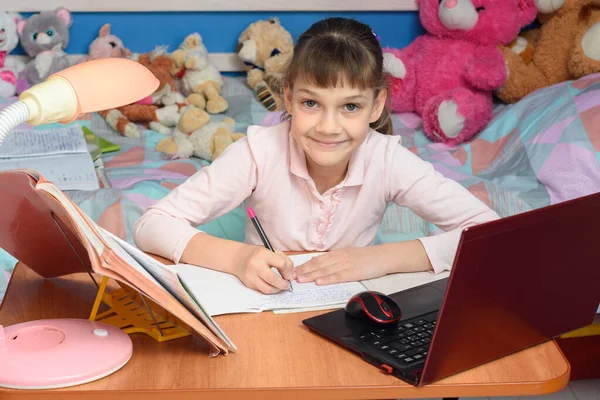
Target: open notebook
[[61, 155]]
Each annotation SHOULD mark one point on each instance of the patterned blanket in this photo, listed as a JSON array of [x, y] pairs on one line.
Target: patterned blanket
[[543, 150]]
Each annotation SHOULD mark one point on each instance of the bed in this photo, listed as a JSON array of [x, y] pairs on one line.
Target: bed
[[540, 151]]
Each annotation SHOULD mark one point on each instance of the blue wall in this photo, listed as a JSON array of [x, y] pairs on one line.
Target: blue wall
[[141, 32]]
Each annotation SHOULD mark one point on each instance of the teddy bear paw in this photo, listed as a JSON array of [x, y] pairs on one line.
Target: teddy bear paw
[[591, 42], [548, 6], [393, 65], [216, 106], [451, 122], [167, 146]]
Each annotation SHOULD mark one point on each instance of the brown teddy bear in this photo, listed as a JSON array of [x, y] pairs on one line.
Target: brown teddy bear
[[566, 46], [196, 136], [159, 111], [265, 47]]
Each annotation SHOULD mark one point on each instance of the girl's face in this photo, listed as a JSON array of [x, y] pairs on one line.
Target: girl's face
[[330, 123]]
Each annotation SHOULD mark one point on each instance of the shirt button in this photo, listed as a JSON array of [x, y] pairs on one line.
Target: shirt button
[[322, 205]]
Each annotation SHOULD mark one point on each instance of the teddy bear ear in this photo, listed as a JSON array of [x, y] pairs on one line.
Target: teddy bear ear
[[64, 14], [527, 11], [274, 20], [21, 25]]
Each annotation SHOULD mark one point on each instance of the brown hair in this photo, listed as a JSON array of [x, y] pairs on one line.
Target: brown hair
[[340, 50]]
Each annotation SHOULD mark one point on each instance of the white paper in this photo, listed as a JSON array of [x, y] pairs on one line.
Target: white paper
[[36, 142], [60, 155], [222, 293], [401, 281]]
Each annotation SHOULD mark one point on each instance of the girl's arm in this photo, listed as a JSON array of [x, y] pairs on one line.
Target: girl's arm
[[415, 184], [168, 227]]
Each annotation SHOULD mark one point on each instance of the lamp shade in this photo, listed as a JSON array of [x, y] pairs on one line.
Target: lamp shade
[[108, 83]]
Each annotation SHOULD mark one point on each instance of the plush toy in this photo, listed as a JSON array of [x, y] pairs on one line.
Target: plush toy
[[196, 136], [265, 47], [566, 46], [448, 75], [160, 111], [9, 67], [44, 37], [200, 80], [107, 45]]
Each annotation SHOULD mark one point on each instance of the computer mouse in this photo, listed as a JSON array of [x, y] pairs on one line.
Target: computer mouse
[[373, 307]]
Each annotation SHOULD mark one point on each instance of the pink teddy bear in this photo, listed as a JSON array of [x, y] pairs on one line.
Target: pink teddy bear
[[448, 75]]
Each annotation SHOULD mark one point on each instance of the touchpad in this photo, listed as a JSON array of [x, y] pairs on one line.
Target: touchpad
[[418, 301]]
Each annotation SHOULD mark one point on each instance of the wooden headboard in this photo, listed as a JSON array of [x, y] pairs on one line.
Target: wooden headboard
[[126, 15]]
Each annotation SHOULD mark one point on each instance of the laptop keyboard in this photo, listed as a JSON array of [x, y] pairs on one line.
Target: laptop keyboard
[[407, 341]]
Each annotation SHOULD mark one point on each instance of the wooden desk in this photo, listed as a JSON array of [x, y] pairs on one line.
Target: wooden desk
[[277, 358]]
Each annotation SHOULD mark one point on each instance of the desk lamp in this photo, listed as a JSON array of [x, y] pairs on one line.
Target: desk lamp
[[55, 353]]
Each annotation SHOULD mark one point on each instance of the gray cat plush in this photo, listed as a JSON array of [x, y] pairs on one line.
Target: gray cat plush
[[44, 37]]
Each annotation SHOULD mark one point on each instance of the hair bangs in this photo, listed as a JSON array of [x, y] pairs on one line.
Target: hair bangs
[[332, 62]]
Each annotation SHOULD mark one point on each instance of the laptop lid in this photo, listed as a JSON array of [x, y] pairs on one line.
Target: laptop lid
[[517, 282]]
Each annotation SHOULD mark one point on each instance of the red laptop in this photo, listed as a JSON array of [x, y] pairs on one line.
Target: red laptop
[[516, 282]]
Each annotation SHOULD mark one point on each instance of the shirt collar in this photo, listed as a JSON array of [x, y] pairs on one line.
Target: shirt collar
[[356, 168]]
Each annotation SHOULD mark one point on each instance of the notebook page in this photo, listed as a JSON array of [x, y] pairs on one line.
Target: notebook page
[[37, 142], [72, 172], [222, 293], [401, 281]]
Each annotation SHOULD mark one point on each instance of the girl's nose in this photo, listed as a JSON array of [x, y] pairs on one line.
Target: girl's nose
[[449, 4]]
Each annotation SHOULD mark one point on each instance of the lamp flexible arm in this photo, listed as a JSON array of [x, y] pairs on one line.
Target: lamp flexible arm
[[11, 117]]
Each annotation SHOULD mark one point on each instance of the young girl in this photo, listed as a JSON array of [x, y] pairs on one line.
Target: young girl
[[319, 181]]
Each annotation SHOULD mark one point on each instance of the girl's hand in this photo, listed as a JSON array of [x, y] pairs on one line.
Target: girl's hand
[[344, 265], [255, 269]]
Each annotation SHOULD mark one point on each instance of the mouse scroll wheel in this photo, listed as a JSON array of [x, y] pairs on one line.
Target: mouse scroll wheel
[[385, 307]]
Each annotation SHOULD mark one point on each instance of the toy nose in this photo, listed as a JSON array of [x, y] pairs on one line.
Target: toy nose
[[449, 4]]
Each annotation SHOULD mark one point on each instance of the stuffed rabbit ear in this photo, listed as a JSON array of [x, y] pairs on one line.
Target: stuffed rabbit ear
[[105, 30]]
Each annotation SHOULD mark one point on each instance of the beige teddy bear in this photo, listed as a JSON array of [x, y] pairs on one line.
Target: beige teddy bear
[[196, 136], [200, 80], [265, 47]]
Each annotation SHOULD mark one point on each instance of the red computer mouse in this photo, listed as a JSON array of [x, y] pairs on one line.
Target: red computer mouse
[[374, 307]]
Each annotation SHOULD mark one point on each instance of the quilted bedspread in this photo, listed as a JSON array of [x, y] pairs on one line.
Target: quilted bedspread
[[543, 150]]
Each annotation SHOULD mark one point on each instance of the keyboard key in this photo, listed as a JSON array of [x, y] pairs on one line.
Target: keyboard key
[[404, 341], [393, 352], [400, 355], [426, 340], [408, 360], [408, 325], [413, 338], [423, 335], [429, 326], [385, 347], [400, 346], [417, 343], [418, 329], [421, 322], [376, 343], [418, 356]]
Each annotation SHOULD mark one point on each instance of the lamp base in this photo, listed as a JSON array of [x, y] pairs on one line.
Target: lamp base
[[55, 353]]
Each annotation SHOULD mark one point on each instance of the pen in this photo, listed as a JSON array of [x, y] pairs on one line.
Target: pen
[[263, 237]]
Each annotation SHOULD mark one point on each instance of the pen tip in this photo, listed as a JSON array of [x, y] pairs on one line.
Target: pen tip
[[250, 212]]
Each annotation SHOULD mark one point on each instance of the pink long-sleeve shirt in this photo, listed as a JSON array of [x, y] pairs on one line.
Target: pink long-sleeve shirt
[[269, 170]]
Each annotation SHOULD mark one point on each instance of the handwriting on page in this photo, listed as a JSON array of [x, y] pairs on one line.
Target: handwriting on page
[[310, 294], [41, 142]]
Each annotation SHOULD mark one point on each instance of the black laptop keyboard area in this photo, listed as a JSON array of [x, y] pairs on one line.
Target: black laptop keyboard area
[[408, 341]]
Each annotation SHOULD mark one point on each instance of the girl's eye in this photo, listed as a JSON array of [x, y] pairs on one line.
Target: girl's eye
[[50, 32], [351, 107], [34, 35], [310, 103]]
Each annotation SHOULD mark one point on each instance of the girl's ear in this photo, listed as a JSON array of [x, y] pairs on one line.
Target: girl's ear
[[378, 106], [287, 97]]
